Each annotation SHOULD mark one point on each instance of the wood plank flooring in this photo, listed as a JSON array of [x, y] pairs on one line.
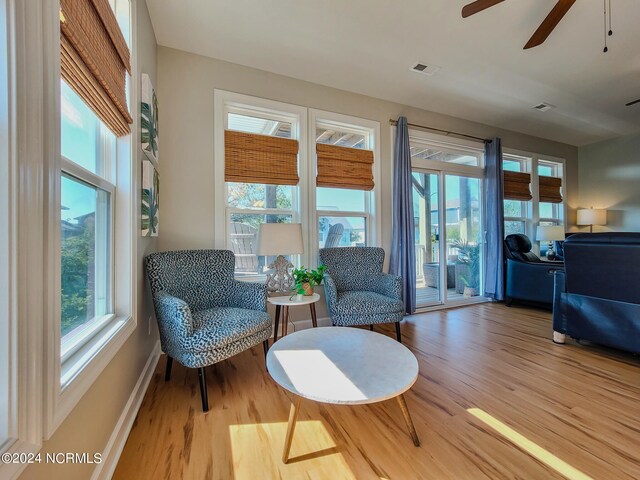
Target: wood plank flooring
[[580, 403]]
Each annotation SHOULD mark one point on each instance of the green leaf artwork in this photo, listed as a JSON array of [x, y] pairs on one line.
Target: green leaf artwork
[[149, 119], [150, 200]]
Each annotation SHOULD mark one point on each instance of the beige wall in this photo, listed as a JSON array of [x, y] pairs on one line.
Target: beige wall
[[89, 426], [610, 178], [186, 85]]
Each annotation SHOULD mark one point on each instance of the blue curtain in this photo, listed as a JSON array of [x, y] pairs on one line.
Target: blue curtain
[[494, 211], [403, 252]]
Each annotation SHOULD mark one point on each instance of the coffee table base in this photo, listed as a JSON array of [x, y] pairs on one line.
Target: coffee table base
[[293, 418], [407, 420]]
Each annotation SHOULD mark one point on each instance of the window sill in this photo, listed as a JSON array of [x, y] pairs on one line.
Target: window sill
[[84, 366], [78, 338]]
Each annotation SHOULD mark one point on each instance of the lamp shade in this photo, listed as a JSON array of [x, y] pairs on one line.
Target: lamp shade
[[550, 233], [280, 239], [592, 216]]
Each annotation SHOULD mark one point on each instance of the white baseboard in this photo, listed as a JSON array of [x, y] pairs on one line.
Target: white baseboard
[[304, 324], [115, 445]]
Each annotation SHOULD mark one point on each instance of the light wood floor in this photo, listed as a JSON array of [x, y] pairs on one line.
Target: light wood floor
[[579, 403]]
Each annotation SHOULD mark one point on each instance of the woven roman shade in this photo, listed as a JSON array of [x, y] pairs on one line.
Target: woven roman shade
[[516, 186], [549, 189], [94, 58], [252, 158], [343, 167]]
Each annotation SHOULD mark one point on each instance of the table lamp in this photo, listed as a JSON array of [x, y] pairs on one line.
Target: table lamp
[[592, 216], [550, 233], [280, 239]]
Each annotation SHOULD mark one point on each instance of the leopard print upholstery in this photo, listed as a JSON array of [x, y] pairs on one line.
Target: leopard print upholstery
[[204, 315], [356, 290]]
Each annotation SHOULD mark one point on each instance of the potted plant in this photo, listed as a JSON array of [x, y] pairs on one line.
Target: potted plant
[[469, 260], [306, 279]]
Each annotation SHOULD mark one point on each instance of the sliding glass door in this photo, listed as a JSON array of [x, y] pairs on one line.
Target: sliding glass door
[[463, 235], [448, 237], [426, 208]]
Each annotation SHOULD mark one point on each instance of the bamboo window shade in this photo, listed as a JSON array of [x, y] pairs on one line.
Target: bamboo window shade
[[517, 186], [253, 158], [94, 59], [344, 167], [549, 189]]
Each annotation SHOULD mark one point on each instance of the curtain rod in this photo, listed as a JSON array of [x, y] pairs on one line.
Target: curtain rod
[[446, 132]]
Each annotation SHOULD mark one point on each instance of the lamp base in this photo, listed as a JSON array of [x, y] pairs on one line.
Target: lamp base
[[551, 254], [280, 281]]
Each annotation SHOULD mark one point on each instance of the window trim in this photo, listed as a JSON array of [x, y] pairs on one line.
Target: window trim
[[532, 221], [442, 170], [7, 254], [225, 101], [24, 127], [303, 120], [372, 207]]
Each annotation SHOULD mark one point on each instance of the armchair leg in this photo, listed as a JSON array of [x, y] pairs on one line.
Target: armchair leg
[[508, 301], [398, 333], [371, 327], [167, 372], [265, 346], [203, 389]]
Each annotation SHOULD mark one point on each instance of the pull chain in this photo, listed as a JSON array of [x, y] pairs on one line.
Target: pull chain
[[606, 49], [610, 30]]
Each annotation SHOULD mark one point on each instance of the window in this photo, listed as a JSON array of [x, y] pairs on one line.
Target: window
[[95, 228], [343, 214], [86, 243], [282, 185], [516, 212], [551, 213], [249, 204], [546, 206]]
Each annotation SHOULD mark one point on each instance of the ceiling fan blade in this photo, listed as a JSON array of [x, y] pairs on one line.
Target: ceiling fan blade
[[549, 23], [477, 6], [632, 103]]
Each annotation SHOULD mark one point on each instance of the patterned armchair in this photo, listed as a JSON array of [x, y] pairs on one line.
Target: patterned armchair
[[357, 291], [204, 315]]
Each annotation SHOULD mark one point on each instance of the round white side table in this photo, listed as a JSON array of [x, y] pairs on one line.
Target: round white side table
[[285, 302], [346, 366]]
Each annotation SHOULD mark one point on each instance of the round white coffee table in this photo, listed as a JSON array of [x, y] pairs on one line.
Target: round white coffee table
[[286, 301], [347, 366]]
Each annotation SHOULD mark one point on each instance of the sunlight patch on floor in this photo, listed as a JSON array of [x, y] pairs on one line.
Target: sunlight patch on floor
[[528, 446], [311, 441]]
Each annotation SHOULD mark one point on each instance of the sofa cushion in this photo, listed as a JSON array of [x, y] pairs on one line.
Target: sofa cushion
[[360, 302], [218, 327]]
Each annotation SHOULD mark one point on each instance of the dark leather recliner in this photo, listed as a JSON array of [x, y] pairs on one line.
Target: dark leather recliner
[[529, 279], [597, 297]]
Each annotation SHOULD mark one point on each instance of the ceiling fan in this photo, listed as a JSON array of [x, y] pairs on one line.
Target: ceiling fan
[[544, 30]]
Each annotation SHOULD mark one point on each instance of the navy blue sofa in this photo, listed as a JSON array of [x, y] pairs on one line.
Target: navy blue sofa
[[529, 279], [597, 297]]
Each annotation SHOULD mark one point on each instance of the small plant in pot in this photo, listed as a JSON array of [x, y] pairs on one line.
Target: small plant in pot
[[307, 279], [469, 256]]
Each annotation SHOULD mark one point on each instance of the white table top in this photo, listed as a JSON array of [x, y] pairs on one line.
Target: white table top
[[342, 365], [286, 300]]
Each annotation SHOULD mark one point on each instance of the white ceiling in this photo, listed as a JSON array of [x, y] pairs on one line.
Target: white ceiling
[[367, 46]]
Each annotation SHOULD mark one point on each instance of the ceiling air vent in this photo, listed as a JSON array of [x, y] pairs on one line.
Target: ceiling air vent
[[424, 68], [543, 107]]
